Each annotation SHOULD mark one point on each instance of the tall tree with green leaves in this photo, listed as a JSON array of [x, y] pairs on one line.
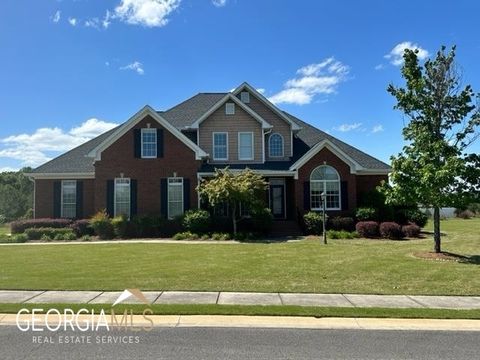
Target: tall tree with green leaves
[[16, 194], [435, 169], [244, 188]]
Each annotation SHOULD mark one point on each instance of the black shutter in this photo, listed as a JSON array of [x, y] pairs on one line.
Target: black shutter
[[163, 198], [133, 198], [79, 210], [344, 189], [137, 142], [159, 143], [306, 195], [110, 197], [186, 194], [57, 199]]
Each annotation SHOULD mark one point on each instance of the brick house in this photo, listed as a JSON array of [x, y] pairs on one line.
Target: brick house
[[152, 163]]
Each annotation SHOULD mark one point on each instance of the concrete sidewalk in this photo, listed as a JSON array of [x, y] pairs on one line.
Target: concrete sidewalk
[[246, 298]]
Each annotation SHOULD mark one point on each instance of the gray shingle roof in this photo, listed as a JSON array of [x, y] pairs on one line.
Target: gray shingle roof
[[183, 115], [75, 160]]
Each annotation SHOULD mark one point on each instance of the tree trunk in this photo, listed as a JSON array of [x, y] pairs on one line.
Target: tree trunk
[[234, 217], [436, 229]]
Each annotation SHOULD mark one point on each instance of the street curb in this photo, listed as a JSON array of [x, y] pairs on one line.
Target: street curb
[[281, 322]]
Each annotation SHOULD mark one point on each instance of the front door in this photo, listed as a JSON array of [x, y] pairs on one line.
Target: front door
[[277, 201]]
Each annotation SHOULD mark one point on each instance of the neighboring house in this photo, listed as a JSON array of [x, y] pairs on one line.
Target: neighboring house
[[152, 163]]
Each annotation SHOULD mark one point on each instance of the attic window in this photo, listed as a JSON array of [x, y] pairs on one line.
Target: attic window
[[230, 109], [245, 97]]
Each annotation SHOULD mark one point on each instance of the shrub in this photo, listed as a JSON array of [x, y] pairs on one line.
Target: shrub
[[185, 235], [86, 238], [417, 217], [466, 214], [19, 238], [245, 236], [19, 226], [341, 223], [28, 214], [120, 226], [3, 219], [368, 229], [366, 214], [70, 237], [205, 237], [197, 221], [45, 237], [37, 233], [82, 227], [341, 234], [391, 230], [411, 230], [313, 223], [102, 225], [221, 236], [262, 220], [474, 207]]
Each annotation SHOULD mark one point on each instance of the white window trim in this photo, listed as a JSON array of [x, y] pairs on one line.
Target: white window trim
[[231, 106], [253, 145], [182, 184], [145, 130], [115, 196], [339, 181], [213, 144], [61, 198], [245, 97], [283, 146]]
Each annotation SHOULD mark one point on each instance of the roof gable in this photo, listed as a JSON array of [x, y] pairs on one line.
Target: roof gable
[[245, 86], [96, 153]]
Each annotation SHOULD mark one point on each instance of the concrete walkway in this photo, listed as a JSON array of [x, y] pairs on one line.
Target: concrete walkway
[[246, 298]]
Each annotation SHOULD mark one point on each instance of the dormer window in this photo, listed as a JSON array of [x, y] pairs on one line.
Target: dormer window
[[245, 97], [230, 109]]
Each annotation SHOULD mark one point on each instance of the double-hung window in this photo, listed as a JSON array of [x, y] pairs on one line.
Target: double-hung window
[[69, 199], [122, 197], [175, 197], [220, 146], [275, 145], [149, 143], [245, 146]]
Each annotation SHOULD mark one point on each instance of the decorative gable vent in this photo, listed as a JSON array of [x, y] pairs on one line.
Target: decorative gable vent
[[245, 97]]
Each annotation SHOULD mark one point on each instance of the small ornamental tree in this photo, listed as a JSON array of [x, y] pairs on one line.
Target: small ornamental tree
[[435, 168], [244, 188]]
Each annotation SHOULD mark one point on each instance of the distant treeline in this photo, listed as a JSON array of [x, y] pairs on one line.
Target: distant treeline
[[16, 195]]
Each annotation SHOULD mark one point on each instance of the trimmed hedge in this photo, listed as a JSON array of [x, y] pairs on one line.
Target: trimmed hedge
[[82, 227], [367, 229], [102, 225], [340, 223], [391, 230], [51, 233], [19, 226], [411, 230], [197, 221]]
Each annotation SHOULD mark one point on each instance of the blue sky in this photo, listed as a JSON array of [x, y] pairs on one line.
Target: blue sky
[[70, 69]]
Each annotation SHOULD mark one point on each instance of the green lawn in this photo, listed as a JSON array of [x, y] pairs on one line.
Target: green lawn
[[343, 266]]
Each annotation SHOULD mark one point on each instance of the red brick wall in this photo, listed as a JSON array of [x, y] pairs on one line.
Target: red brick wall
[[326, 157], [44, 198], [367, 183], [119, 158]]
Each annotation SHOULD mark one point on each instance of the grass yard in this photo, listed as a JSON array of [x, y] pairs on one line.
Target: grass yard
[[343, 266]]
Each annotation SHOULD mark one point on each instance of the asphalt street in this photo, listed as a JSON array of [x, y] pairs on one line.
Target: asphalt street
[[239, 343]]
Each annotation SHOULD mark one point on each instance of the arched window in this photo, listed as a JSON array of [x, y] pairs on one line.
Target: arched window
[[275, 145], [325, 179]]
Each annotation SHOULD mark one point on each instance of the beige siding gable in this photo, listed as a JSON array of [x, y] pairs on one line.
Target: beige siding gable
[[280, 126], [241, 121]]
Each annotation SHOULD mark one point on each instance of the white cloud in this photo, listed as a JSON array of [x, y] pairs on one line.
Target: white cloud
[[348, 127], [219, 3], [311, 80], [380, 67], [56, 17], [135, 66], [377, 128], [261, 90], [93, 23], [8, 169], [396, 54], [38, 147], [72, 21], [149, 13]]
